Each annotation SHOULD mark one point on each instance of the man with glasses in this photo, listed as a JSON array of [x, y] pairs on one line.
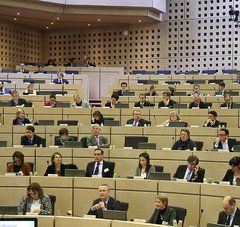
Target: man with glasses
[[223, 142], [100, 167]]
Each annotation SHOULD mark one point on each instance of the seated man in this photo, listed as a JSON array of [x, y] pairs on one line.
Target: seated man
[[63, 137], [212, 120], [123, 89], [190, 172], [230, 215], [31, 138], [95, 139], [167, 101], [114, 100], [221, 90], [78, 102], [137, 119], [196, 91], [142, 101], [16, 101], [100, 167], [223, 142], [152, 92], [197, 103], [184, 143], [104, 202], [60, 79], [228, 102], [4, 91]]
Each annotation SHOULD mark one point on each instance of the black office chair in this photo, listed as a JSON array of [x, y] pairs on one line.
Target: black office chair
[[180, 213], [70, 166], [109, 118], [53, 201], [159, 169], [3, 143], [208, 105], [199, 145], [83, 141], [43, 142], [124, 206]]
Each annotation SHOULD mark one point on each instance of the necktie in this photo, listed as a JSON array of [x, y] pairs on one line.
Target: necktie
[[97, 139], [30, 141], [188, 177], [228, 220], [96, 171]]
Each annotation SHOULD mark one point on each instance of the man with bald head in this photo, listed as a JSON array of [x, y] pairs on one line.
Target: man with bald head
[[230, 215]]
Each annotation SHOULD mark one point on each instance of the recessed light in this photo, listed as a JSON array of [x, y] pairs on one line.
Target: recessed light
[[58, 18], [89, 25], [47, 27], [51, 23], [99, 19], [18, 13], [139, 21], [15, 18]]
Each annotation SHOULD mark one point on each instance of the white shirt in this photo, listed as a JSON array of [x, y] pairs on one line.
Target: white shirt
[[225, 145], [100, 168], [35, 205], [232, 217]]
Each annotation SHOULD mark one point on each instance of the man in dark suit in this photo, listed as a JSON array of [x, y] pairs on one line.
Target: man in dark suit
[[190, 172], [221, 89], [167, 101], [100, 167], [142, 101], [96, 139], [228, 102], [104, 202], [212, 120], [223, 142], [114, 100], [123, 89], [152, 92], [30, 138], [197, 103], [137, 120], [230, 216], [60, 79]]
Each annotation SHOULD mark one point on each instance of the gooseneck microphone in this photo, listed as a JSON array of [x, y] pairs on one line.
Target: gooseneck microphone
[[155, 121]]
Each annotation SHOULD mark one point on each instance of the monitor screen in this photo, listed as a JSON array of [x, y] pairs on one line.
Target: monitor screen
[[18, 222]]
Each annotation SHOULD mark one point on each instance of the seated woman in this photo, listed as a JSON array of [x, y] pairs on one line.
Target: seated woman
[[114, 100], [57, 167], [52, 101], [20, 118], [144, 168], [173, 116], [30, 90], [35, 202], [63, 137], [78, 102], [233, 173], [18, 165], [17, 101], [162, 213], [97, 118]]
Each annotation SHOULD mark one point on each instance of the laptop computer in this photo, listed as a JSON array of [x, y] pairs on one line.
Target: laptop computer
[[3, 143], [13, 210], [215, 225], [46, 122], [5, 104], [72, 144], [180, 105], [160, 176], [111, 123], [63, 104], [177, 124], [151, 146], [115, 215], [236, 148], [129, 93], [67, 122], [74, 173], [122, 105]]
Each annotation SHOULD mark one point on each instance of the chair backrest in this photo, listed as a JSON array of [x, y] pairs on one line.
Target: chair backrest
[[83, 140], [159, 168], [133, 141], [180, 213], [124, 206], [53, 201], [70, 166], [199, 145], [3, 143], [43, 142]]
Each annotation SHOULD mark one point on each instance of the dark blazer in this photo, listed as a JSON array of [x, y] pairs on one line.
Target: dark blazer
[[201, 105], [222, 217], [25, 121], [141, 123], [109, 104], [170, 104], [51, 170], [229, 176], [231, 143], [168, 216], [64, 81], [113, 204], [226, 105], [20, 103], [224, 92], [151, 94], [120, 92], [36, 140], [107, 166], [215, 125], [146, 103], [98, 122], [181, 170]]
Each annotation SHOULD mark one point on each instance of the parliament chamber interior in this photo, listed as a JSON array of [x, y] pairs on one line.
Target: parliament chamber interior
[[153, 85]]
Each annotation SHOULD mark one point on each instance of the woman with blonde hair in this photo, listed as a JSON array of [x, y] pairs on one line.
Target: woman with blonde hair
[[20, 118], [173, 116]]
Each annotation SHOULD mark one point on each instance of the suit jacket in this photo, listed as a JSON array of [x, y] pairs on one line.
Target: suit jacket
[[64, 81], [113, 204], [168, 216], [222, 217], [181, 170], [224, 92], [51, 170], [142, 122], [25, 121], [98, 122], [231, 143], [229, 176], [36, 140], [25, 168], [107, 170], [201, 105], [103, 141], [170, 104], [146, 103], [226, 105], [120, 92], [20, 103]]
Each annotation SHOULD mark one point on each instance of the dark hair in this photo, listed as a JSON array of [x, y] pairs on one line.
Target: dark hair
[[52, 96], [172, 90], [231, 201], [193, 158], [152, 87], [35, 187], [167, 93], [234, 161], [53, 156], [186, 130], [147, 157], [123, 83], [142, 95], [98, 113], [221, 84], [225, 130], [30, 128], [99, 149], [214, 113], [18, 154], [63, 131], [115, 96]]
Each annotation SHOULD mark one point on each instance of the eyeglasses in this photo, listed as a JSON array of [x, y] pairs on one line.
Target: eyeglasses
[[221, 135]]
